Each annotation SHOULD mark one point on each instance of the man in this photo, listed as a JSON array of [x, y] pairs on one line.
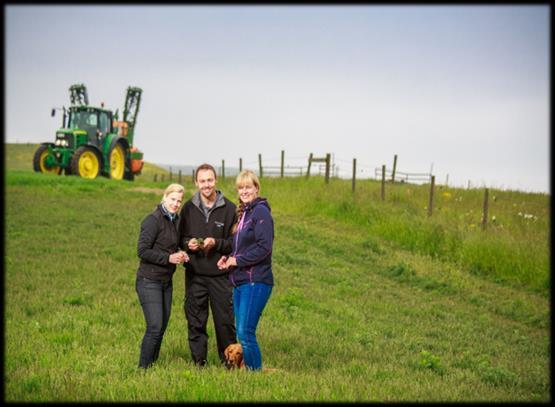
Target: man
[[205, 233]]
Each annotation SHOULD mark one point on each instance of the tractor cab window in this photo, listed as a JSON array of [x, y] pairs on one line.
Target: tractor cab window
[[104, 126], [91, 119], [83, 120], [76, 120]]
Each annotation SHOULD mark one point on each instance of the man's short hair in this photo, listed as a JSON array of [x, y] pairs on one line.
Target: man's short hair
[[204, 167]]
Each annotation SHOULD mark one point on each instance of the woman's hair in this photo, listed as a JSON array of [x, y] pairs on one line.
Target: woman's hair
[[245, 176], [173, 188]]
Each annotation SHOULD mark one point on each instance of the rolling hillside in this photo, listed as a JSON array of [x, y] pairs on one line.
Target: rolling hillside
[[374, 300]]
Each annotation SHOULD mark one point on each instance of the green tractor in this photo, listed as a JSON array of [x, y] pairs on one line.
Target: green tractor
[[94, 142]]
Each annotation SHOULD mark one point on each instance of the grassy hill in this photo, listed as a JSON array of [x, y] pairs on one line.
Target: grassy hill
[[374, 300]]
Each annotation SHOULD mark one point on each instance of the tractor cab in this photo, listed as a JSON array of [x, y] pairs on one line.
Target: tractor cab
[[96, 122]]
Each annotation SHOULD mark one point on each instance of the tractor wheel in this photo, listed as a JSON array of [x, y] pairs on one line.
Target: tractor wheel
[[85, 163], [39, 161], [117, 161]]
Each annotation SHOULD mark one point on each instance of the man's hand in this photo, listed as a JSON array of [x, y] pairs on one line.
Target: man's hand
[[193, 245], [209, 243]]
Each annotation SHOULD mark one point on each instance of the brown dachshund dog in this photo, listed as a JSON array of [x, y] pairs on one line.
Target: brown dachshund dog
[[234, 356]]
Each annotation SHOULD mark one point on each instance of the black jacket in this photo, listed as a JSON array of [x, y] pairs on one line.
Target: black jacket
[[158, 239], [218, 224]]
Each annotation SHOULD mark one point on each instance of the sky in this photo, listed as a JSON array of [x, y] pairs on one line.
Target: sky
[[458, 91]]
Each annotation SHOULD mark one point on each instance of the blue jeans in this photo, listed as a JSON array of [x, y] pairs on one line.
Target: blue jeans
[[248, 302], [156, 300]]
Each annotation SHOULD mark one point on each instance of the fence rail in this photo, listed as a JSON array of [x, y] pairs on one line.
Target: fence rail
[[287, 170], [403, 176]]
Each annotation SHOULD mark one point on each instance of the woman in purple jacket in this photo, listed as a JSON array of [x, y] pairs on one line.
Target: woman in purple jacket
[[250, 264]]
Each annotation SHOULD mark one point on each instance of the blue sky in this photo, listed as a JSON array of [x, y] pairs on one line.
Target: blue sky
[[459, 90]]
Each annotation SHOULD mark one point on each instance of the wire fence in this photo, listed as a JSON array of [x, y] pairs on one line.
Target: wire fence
[[329, 166], [336, 168]]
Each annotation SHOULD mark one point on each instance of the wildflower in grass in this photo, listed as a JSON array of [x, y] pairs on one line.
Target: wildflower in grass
[[528, 216], [446, 195]]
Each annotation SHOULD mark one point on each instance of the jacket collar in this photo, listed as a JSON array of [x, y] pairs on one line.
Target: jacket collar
[[219, 199], [166, 213], [257, 201]]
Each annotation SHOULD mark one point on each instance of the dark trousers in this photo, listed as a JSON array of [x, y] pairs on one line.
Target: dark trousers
[[200, 291], [156, 300]]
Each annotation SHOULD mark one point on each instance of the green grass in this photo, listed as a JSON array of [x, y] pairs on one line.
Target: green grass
[[373, 301]]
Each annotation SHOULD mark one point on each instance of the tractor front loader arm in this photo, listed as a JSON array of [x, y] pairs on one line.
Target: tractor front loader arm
[[130, 110]]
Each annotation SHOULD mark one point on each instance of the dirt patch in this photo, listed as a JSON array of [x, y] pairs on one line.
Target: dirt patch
[[156, 191]]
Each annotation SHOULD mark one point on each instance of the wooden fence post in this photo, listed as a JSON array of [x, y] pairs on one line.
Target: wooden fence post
[[193, 176], [309, 164], [170, 174], [223, 169], [179, 176], [282, 162], [394, 168], [354, 173], [260, 164], [383, 182], [431, 201], [485, 214], [328, 156], [240, 164], [155, 176]]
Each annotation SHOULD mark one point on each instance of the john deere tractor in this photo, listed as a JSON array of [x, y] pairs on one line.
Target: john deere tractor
[[93, 142]]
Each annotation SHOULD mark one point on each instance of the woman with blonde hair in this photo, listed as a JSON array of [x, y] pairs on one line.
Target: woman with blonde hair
[[250, 264], [159, 254]]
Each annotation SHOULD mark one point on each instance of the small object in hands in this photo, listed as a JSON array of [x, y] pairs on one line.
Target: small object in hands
[[200, 242]]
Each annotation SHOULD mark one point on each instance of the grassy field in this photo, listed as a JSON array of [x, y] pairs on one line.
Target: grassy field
[[373, 301]]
